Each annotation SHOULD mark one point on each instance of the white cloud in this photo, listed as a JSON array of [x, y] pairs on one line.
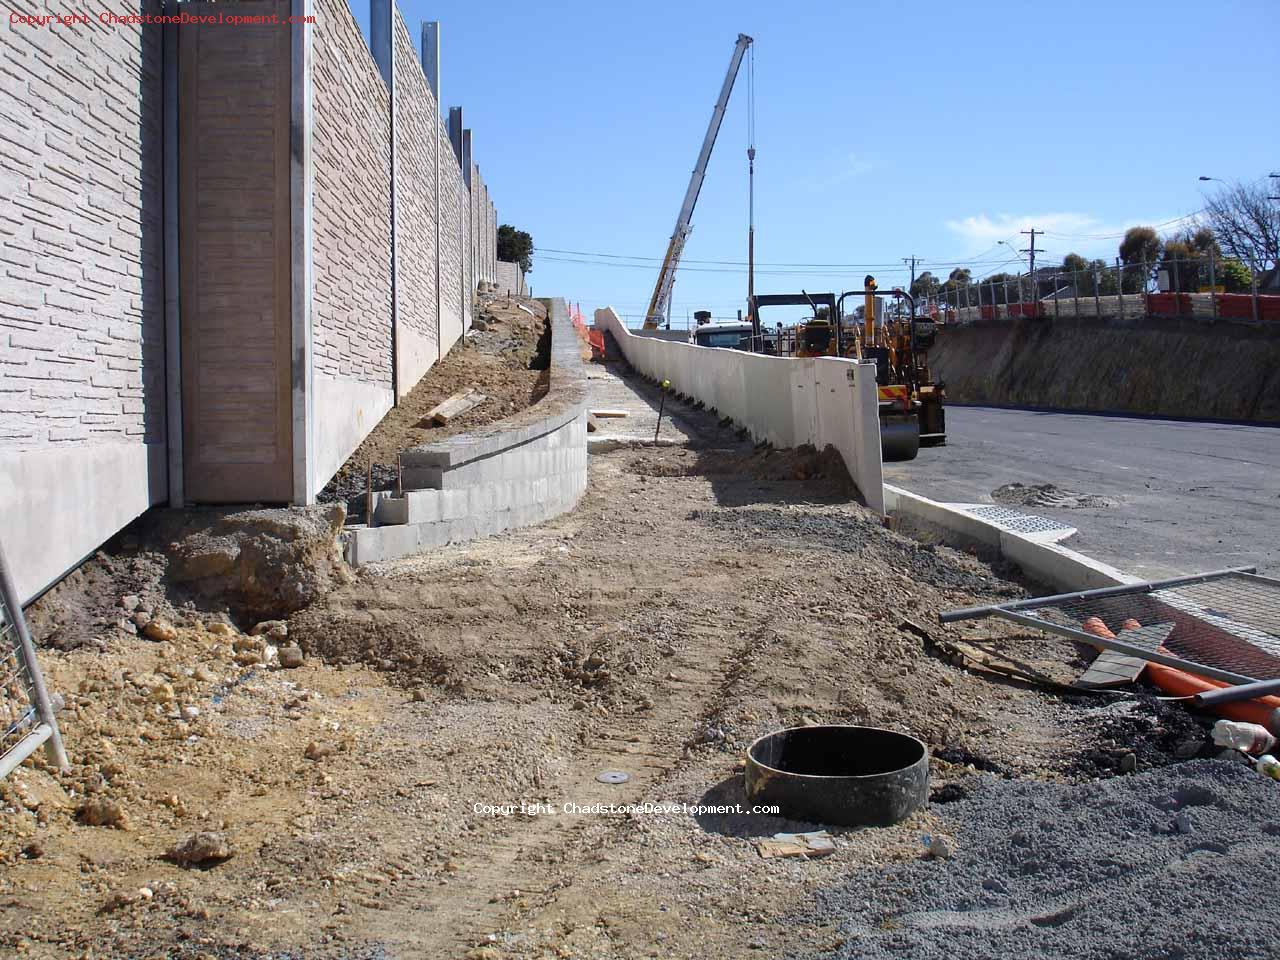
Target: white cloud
[[841, 169], [1064, 232]]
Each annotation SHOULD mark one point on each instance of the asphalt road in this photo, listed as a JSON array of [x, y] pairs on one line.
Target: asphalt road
[[1180, 497]]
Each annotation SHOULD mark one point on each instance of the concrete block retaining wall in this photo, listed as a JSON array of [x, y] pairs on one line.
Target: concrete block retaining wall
[[515, 473], [825, 401]]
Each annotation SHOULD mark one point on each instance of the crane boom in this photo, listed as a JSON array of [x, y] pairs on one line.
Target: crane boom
[[667, 273]]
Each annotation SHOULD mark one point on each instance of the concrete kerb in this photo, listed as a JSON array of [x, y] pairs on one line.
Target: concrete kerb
[[519, 471], [1040, 558]]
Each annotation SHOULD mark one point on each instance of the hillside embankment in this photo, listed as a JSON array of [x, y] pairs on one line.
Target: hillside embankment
[[1165, 368]]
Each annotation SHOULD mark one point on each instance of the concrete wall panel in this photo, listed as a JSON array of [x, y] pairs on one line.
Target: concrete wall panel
[[82, 404]]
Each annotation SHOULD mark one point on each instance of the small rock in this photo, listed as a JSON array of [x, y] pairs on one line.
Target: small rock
[[160, 631], [478, 324], [161, 693], [33, 850], [594, 662], [273, 629], [100, 812], [128, 626], [319, 750], [1182, 822], [130, 602], [204, 674], [256, 644], [117, 900], [189, 712], [419, 695], [204, 847], [220, 629], [291, 656], [941, 848], [1187, 749], [140, 619], [1129, 763], [247, 658]]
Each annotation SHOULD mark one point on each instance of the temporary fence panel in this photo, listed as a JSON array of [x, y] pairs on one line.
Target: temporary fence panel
[[1223, 625], [26, 710]]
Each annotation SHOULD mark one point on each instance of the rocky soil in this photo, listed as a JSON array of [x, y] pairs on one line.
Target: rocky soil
[[407, 766]]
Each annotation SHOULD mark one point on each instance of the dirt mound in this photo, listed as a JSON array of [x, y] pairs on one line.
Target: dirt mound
[[170, 565], [263, 564], [1047, 495], [1165, 368]]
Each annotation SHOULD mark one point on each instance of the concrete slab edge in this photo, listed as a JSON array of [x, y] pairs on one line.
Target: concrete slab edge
[[1050, 563]]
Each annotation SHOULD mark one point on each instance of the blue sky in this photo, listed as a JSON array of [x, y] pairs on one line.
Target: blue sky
[[883, 130]]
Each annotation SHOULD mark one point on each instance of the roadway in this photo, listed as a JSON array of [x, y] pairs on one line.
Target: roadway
[[1168, 496]]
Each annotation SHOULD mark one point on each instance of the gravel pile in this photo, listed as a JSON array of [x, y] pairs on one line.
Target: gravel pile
[[839, 531], [1177, 862]]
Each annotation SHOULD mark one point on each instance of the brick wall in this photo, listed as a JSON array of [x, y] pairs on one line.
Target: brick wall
[[81, 321], [352, 213]]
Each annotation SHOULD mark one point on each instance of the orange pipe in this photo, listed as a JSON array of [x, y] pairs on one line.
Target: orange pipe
[[1179, 683]]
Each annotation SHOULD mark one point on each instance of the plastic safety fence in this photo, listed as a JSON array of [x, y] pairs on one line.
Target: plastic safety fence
[[1223, 625], [594, 338]]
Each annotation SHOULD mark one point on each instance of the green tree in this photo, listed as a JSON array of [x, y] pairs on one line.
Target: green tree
[[993, 288], [1140, 253], [515, 246], [1186, 256], [925, 285], [1073, 262], [956, 287], [1235, 276]]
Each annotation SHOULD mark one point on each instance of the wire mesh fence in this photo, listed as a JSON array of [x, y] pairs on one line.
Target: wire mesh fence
[[1206, 288], [26, 711], [1223, 625]]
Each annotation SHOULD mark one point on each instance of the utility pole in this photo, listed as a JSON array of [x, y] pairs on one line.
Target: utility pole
[[1035, 296], [911, 260]]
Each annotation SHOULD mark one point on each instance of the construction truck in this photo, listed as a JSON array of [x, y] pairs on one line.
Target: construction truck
[[910, 403]]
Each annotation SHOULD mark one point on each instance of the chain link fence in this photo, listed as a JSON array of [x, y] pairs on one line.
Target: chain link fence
[[1208, 288], [27, 719]]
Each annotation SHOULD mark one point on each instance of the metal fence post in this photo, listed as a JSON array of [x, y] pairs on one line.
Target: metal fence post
[[1253, 287], [24, 655], [1213, 290], [1120, 286], [1097, 296], [1075, 291]]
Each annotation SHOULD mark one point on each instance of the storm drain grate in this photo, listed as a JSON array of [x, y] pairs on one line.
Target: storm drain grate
[[1224, 625], [1018, 522]]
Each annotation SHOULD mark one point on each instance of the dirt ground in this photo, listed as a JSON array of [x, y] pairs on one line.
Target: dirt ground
[[697, 598], [505, 356]]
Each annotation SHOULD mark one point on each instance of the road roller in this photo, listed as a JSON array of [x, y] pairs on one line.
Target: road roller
[[911, 404]]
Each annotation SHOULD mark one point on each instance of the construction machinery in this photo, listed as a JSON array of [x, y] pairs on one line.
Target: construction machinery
[[910, 403], [660, 303]]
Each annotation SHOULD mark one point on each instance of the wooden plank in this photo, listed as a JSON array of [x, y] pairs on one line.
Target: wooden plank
[[1113, 669], [455, 406], [605, 414]]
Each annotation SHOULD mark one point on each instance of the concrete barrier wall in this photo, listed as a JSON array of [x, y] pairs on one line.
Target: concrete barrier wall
[[786, 402]]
